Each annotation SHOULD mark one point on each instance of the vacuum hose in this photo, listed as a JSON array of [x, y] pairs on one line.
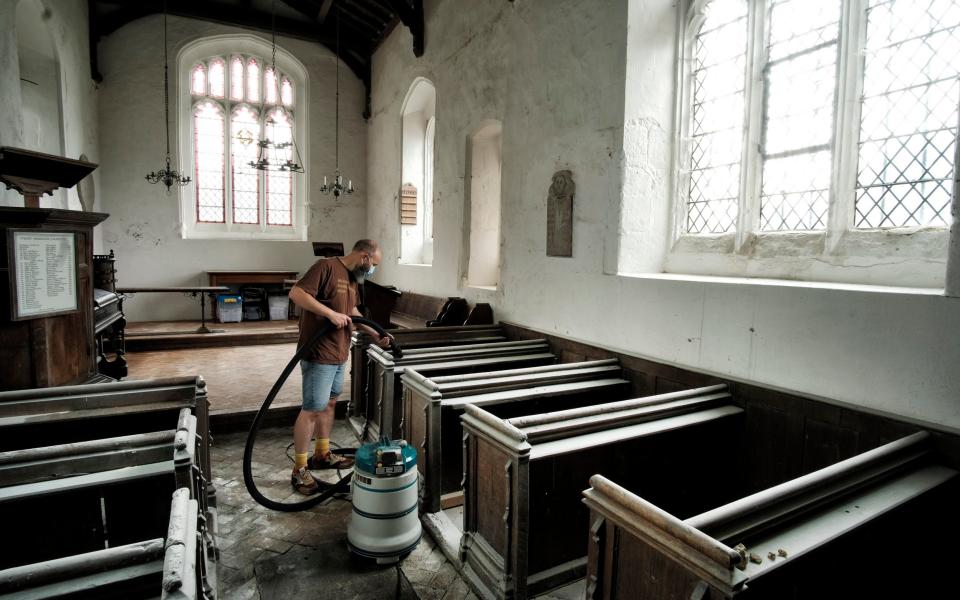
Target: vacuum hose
[[331, 489]]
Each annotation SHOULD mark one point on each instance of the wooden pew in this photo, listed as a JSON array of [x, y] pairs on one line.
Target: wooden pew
[[77, 498], [882, 524], [432, 407], [414, 310], [386, 370], [360, 408], [57, 415], [522, 517], [147, 569]]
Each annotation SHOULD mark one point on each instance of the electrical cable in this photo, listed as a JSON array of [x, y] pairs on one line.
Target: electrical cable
[[328, 490]]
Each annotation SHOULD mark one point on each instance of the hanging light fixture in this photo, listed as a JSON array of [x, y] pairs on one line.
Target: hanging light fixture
[[167, 176], [275, 156], [337, 188]]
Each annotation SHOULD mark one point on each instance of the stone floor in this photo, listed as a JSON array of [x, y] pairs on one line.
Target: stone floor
[[290, 556], [285, 556]]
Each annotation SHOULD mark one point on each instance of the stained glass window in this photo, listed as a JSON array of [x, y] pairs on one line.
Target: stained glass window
[[269, 86], [236, 78], [208, 160], [198, 81], [253, 80], [245, 132], [280, 183], [238, 108], [217, 78]]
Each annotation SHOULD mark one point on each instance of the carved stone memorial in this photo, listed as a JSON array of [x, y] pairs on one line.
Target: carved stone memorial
[[560, 214]]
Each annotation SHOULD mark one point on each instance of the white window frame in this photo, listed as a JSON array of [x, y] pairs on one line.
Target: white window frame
[[228, 46], [904, 256]]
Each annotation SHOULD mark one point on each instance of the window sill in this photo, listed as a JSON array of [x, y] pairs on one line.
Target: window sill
[[292, 234], [404, 264], [768, 282], [908, 258], [486, 288]]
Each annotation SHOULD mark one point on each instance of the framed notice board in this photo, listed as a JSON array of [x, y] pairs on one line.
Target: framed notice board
[[43, 273]]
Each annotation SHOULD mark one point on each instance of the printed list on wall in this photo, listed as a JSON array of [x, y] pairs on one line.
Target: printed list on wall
[[46, 273]]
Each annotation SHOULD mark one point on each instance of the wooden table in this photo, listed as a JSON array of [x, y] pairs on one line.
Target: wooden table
[[194, 291], [245, 277]]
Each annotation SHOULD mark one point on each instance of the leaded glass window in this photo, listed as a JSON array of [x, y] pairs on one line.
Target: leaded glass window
[[908, 126], [853, 106], [717, 115], [233, 107]]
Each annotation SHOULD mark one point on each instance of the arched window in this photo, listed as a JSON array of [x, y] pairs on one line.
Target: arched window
[[236, 99], [419, 125]]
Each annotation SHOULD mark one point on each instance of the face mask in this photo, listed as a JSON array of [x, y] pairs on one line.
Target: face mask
[[361, 273]]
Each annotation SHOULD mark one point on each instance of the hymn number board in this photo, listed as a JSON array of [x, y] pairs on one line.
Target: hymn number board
[[43, 273]]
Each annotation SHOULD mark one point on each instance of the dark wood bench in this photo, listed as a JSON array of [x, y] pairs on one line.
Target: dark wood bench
[[177, 567], [386, 370], [69, 414], [531, 468], [849, 530], [432, 407], [73, 500], [412, 310], [359, 410]]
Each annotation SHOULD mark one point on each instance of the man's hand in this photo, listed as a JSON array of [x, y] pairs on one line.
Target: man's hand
[[340, 320], [385, 341]]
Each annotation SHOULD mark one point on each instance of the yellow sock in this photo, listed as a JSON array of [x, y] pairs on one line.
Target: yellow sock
[[323, 447], [301, 460]]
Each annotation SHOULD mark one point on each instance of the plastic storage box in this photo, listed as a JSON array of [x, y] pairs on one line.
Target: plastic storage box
[[229, 308], [279, 308]]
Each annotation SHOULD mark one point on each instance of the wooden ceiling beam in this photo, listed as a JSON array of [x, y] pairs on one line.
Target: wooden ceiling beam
[[411, 15], [325, 10]]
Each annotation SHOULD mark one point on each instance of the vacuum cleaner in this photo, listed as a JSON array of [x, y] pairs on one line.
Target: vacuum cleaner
[[384, 524]]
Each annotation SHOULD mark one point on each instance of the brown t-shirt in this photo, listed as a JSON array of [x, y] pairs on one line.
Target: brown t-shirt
[[335, 287]]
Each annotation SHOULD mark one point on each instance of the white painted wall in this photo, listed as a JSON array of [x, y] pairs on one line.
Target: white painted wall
[[483, 268], [554, 73], [143, 226], [57, 32]]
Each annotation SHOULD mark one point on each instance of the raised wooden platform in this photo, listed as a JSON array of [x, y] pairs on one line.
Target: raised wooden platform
[[169, 335]]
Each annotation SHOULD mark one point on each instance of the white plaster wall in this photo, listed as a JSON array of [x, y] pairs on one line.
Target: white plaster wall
[[554, 73], [41, 102], [65, 24], [143, 226], [484, 199]]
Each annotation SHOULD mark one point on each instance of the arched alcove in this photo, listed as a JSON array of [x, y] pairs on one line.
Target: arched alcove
[[40, 89], [417, 143], [483, 205]]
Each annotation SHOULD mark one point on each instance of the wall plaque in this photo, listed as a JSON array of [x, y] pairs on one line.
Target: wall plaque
[[560, 214], [43, 273]]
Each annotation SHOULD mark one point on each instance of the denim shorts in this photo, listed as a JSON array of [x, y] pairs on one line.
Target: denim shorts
[[320, 383]]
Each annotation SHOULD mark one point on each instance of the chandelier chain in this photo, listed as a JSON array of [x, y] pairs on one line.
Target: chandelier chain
[[166, 80]]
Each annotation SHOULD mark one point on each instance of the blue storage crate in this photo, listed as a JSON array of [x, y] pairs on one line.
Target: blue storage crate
[[229, 308]]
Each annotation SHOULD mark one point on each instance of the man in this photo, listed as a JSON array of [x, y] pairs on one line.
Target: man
[[327, 293]]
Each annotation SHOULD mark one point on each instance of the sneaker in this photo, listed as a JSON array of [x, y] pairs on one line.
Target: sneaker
[[303, 482], [330, 461]]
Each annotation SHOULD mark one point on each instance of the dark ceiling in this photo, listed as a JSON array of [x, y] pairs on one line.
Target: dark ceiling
[[364, 24]]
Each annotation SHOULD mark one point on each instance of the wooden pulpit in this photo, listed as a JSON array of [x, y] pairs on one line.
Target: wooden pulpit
[[46, 277]]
